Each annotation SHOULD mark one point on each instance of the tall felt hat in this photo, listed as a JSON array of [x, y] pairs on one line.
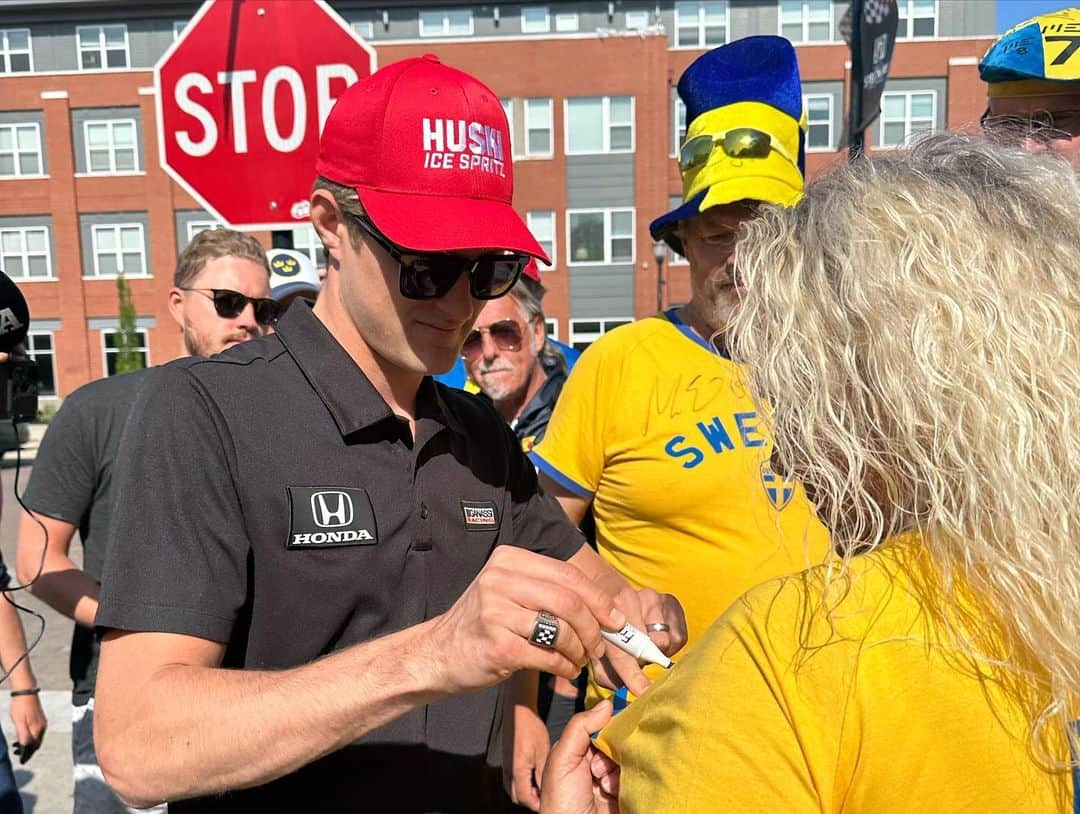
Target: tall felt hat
[[750, 83], [1036, 57]]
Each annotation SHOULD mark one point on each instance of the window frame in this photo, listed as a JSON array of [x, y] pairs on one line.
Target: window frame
[[879, 132], [551, 327], [905, 9], [605, 115], [111, 125], [16, 152], [547, 19], [369, 29], [25, 254], [95, 252], [572, 338], [635, 13], [678, 117], [700, 25], [609, 236], [832, 136], [203, 226], [6, 52], [144, 348], [36, 353], [446, 32], [563, 20], [102, 48], [805, 20], [553, 254], [314, 251], [528, 152]]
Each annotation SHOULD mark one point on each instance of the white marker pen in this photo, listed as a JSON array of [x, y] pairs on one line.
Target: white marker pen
[[638, 644]]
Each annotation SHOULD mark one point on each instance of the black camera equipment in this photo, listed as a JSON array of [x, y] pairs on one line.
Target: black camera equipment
[[19, 374]]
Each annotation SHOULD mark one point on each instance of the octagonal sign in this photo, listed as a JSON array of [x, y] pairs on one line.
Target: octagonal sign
[[241, 100]]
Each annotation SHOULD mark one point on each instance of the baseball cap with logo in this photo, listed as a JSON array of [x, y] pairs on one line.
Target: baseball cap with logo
[[427, 149], [292, 272]]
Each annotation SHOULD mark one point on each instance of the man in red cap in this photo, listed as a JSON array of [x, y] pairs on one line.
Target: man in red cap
[[320, 621]]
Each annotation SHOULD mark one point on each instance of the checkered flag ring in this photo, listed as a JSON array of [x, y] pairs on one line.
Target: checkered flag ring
[[545, 630]]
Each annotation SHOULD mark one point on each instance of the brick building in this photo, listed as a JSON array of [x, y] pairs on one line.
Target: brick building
[[587, 86]]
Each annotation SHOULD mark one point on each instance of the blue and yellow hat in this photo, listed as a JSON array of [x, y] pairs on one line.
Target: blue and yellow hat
[[753, 84], [1038, 57]]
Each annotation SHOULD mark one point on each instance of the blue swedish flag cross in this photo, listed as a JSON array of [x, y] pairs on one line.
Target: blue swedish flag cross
[[778, 490]]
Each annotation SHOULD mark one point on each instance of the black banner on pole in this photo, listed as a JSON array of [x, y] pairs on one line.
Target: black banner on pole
[[872, 37]]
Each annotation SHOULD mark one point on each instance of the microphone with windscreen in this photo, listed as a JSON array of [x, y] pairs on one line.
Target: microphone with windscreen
[[18, 375]]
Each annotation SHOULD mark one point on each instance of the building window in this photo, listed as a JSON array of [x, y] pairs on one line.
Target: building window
[[103, 46], [806, 20], [118, 248], [598, 236], [583, 332], [110, 351], [918, 18], [508, 111], [538, 123], [903, 114], [178, 27], [364, 29], [819, 110], [24, 253], [551, 328], [678, 125], [15, 50], [566, 22], [111, 146], [599, 124], [39, 347], [446, 23], [701, 25], [535, 20], [20, 150], [306, 241], [637, 20], [541, 223], [673, 257], [196, 226]]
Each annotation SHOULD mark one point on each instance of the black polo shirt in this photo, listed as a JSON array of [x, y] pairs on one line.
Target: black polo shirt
[[267, 498]]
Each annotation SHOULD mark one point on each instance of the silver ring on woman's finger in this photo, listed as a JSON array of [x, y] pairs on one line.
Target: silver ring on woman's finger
[[545, 630], [658, 627]]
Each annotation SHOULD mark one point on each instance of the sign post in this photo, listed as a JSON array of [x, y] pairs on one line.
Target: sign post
[[869, 26], [242, 96]]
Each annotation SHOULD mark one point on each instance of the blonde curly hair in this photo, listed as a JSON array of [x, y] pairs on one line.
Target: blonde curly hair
[[912, 326]]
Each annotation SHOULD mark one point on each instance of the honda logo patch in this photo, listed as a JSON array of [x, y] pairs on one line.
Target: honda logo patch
[[480, 515], [329, 516]]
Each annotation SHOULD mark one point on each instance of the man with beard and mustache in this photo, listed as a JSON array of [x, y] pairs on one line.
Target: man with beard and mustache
[[219, 299]]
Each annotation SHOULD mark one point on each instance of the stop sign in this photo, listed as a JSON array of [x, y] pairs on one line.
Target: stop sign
[[241, 100]]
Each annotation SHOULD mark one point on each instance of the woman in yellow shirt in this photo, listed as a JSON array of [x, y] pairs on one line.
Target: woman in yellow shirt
[[913, 323]]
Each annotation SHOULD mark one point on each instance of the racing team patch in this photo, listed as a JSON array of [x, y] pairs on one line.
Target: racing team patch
[[479, 515]]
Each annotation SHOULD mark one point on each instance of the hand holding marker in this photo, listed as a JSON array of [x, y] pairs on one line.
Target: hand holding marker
[[638, 644]]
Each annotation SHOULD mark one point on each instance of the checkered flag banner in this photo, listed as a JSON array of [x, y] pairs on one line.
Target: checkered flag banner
[[875, 11]]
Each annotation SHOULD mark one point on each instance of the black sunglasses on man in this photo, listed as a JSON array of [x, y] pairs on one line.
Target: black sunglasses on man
[[229, 304]]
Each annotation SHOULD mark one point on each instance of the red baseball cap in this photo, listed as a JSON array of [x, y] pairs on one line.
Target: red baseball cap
[[427, 149], [531, 271]]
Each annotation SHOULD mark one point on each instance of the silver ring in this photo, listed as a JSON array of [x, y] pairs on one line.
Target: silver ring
[[658, 627], [545, 630]]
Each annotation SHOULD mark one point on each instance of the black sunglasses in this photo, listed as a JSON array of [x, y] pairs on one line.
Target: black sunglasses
[[428, 276], [230, 304]]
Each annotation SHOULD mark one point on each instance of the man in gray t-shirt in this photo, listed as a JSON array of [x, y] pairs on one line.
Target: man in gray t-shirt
[[70, 485]]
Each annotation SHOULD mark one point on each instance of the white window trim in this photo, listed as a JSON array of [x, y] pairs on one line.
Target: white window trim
[[202, 226], [551, 327], [605, 126], [51, 352], [554, 255], [104, 351], [550, 126], [879, 133], [101, 47], [607, 212], [564, 18], [701, 29], [832, 135], [572, 338], [313, 250], [635, 12], [805, 38], [111, 123], [365, 29], [547, 20], [95, 229], [676, 131], [909, 7], [445, 32], [26, 278], [16, 151], [6, 52]]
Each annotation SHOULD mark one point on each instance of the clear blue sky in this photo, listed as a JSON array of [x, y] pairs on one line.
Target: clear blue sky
[[1011, 12]]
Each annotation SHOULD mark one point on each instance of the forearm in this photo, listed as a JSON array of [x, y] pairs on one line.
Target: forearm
[[12, 648], [253, 726], [522, 689], [68, 590]]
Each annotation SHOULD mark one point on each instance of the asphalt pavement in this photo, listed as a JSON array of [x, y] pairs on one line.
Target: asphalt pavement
[[45, 782]]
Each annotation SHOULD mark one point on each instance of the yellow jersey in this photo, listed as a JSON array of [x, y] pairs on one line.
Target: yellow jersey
[[659, 431], [781, 707]]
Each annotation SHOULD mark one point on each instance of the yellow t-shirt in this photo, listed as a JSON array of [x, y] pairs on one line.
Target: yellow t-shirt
[[875, 715], [661, 433]]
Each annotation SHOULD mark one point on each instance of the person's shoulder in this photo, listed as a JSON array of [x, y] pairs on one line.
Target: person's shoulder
[[236, 367], [109, 393], [630, 337], [474, 411]]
